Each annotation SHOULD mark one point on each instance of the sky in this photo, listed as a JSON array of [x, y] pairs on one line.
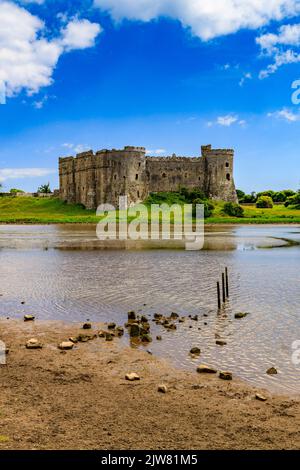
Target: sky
[[169, 75]]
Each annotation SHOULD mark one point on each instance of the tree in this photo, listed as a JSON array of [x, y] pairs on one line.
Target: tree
[[264, 202], [45, 189], [232, 209], [240, 195]]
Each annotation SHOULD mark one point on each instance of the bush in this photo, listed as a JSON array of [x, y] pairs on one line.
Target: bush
[[232, 209], [208, 207], [15, 191], [264, 202], [293, 200]]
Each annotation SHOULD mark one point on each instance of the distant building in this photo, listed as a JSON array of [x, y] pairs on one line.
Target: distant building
[[94, 178]]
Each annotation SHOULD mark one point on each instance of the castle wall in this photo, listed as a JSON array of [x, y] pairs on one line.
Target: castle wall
[[92, 179]]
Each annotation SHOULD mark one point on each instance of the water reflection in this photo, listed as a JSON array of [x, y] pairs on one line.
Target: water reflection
[[40, 265]]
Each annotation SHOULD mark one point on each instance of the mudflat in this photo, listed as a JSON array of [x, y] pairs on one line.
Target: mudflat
[[80, 398]]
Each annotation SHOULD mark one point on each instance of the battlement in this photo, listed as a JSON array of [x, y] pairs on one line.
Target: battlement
[[93, 178]]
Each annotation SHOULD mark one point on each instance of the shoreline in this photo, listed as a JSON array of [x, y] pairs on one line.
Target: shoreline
[[52, 399]]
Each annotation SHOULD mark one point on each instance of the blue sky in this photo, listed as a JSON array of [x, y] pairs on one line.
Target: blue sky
[[167, 75]]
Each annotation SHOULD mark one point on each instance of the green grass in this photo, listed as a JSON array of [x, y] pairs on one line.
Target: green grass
[[18, 210]]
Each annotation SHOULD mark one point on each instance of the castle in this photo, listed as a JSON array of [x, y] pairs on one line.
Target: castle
[[95, 178]]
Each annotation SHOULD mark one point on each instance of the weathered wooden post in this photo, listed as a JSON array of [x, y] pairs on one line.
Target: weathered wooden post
[[219, 295], [227, 283], [223, 288]]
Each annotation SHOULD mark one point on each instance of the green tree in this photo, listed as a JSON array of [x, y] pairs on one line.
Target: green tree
[[264, 202], [232, 209], [44, 189], [240, 195]]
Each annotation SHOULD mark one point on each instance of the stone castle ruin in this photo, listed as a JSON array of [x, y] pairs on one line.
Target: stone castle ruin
[[95, 178]]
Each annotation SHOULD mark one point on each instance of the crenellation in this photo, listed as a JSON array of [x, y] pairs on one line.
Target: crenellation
[[102, 177]]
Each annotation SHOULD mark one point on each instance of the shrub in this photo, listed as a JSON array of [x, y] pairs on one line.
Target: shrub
[[15, 191], [232, 209], [208, 207], [264, 202]]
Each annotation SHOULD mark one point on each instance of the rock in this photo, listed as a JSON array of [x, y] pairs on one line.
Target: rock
[[225, 375], [174, 316], [171, 326], [102, 334], [109, 337], [84, 338], [131, 315], [272, 371], [195, 318], [111, 326], [145, 328], [159, 338], [205, 315], [260, 397], [204, 369], [87, 326], [135, 330], [181, 320], [73, 340], [146, 338], [33, 344], [205, 324], [240, 315], [66, 345], [162, 389], [158, 316], [144, 319], [132, 376], [196, 351], [23, 303], [120, 331], [221, 342], [29, 317]]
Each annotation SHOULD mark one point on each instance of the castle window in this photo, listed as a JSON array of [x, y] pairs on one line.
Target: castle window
[[186, 175], [164, 175], [199, 178], [138, 194], [115, 177], [228, 176], [227, 165], [136, 176]]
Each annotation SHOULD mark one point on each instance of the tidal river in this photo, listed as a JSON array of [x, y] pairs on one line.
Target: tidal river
[[60, 274]]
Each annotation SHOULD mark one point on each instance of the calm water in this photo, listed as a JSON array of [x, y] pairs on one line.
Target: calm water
[[52, 269]]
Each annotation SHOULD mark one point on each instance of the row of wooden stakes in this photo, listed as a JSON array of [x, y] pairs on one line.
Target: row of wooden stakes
[[225, 289]]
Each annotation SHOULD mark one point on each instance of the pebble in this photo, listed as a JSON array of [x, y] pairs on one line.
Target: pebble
[[132, 376], [225, 375], [260, 397], [162, 389], [221, 342], [240, 315], [159, 338], [87, 326], [111, 326], [29, 318], [33, 344], [195, 351], [131, 315], [66, 345], [272, 371], [204, 369]]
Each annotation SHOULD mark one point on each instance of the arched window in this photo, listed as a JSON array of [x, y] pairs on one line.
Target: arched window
[[228, 176], [227, 165], [164, 175]]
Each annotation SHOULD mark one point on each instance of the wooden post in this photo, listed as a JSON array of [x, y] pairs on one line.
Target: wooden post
[[219, 295], [227, 283], [223, 288]]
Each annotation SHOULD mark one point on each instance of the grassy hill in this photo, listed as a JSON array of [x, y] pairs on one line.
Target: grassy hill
[[51, 210]]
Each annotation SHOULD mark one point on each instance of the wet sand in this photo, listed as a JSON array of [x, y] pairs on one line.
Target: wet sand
[[79, 399]]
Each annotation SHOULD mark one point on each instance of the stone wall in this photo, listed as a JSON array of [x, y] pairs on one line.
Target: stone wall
[[91, 179]]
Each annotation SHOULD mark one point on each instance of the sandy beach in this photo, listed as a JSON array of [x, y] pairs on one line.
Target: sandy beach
[[80, 399]]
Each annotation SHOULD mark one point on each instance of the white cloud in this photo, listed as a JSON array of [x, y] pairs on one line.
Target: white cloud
[[80, 34], [77, 148], [20, 173], [27, 57], [282, 47], [227, 121], [246, 76], [286, 115], [155, 151], [206, 18]]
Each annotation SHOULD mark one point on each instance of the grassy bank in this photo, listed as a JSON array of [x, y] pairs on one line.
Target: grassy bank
[[52, 211]]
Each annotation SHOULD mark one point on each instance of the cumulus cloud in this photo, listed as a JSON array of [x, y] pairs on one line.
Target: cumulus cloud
[[20, 173], [283, 47], [286, 115], [27, 56], [206, 18], [227, 121]]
